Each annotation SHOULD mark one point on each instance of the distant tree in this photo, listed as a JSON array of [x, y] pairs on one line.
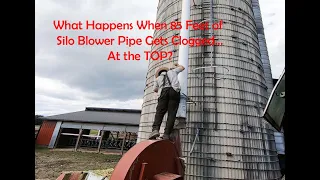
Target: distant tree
[[37, 119]]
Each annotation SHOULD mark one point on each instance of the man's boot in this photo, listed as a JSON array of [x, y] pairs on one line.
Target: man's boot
[[166, 137], [154, 134]]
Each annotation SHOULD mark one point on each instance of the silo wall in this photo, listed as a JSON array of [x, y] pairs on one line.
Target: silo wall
[[233, 141], [263, 45]]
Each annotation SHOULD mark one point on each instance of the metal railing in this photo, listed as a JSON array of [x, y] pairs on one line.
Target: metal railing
[[105, 144]]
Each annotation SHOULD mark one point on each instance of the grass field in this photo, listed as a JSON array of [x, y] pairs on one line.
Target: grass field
[[49, 164], [94, 132]]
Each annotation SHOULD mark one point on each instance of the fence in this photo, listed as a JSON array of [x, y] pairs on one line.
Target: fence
[[105, 144]]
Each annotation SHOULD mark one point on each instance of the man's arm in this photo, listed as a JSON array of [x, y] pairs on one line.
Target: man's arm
[[179, 68], [155, 85]]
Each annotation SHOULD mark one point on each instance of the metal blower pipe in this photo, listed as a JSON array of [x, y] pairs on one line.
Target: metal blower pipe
[[184, 60]]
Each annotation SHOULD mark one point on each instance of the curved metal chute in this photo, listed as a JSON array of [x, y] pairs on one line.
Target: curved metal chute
[[275, 108]]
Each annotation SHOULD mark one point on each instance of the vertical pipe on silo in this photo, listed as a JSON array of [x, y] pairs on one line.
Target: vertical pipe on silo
[[184, 60]]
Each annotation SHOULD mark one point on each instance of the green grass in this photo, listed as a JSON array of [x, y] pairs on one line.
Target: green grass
[[94, 132], [40, 148]]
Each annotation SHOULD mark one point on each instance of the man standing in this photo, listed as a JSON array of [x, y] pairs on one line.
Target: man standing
[[168, 88]]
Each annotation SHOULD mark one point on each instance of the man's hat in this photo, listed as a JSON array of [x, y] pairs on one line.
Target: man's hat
[[160, 70]]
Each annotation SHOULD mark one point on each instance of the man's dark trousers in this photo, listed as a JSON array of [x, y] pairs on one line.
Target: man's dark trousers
[[168, 101]]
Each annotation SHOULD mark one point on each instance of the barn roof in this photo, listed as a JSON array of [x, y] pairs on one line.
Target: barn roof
[[100, 115]]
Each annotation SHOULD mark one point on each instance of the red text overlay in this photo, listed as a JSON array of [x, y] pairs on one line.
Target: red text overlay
[[123, 40]]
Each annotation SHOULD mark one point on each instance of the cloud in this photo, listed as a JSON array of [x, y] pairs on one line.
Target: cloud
[[72, 77], [273, 17], [69, 78], [55, 97]]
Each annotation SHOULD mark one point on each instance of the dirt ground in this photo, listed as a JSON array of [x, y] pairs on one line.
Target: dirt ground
[[50, 163]]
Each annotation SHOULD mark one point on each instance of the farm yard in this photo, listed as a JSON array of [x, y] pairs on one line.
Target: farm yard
[[68, 144], [50, 163]]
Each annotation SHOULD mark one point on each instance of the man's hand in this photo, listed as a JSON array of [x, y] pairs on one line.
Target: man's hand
[[178, 65]]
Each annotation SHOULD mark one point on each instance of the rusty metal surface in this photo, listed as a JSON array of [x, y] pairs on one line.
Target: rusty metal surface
[[175, 136], [45, 133], [167, 176], [160, 156]]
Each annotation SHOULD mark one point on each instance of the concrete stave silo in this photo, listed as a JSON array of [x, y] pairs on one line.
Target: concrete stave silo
[[231, 140], [263, 45]]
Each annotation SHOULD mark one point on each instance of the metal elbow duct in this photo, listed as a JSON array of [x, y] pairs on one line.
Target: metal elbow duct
[[184, 61]]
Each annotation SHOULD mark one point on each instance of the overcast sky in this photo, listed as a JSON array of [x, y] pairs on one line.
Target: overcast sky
[[71, 78]]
